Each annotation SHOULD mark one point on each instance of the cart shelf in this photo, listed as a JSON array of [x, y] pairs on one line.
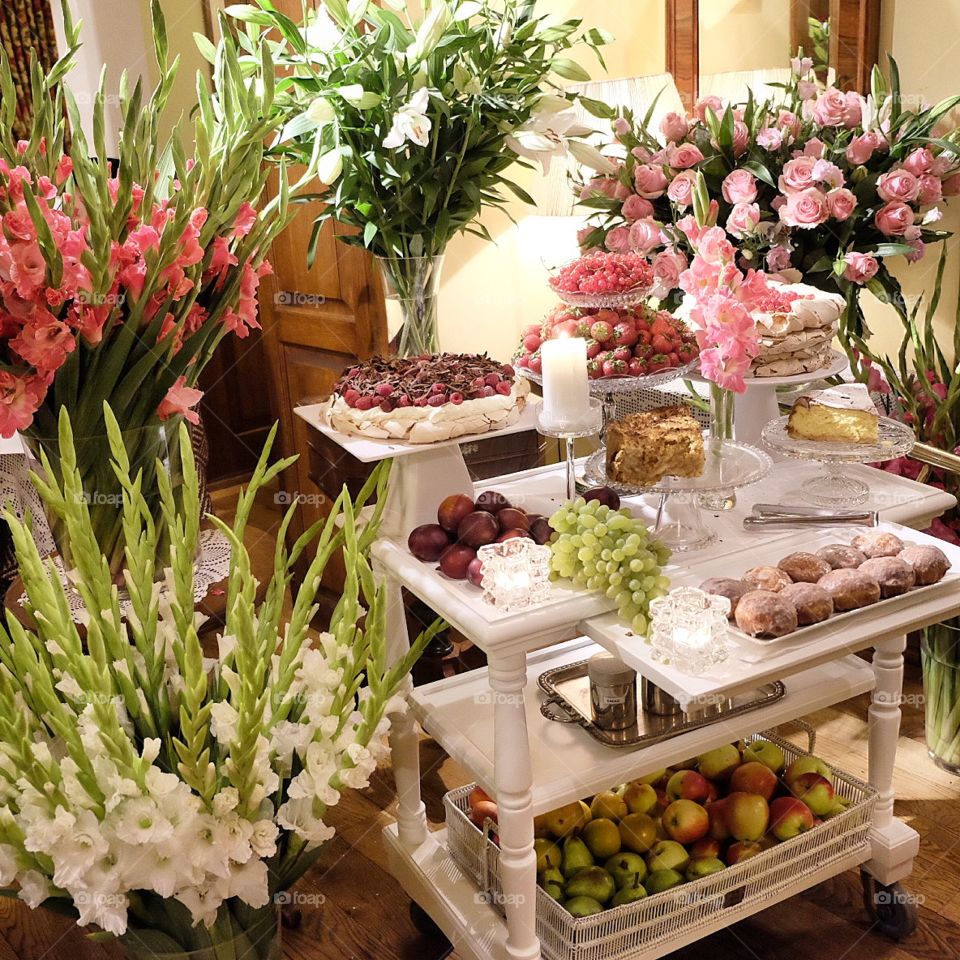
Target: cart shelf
[[566, 763]]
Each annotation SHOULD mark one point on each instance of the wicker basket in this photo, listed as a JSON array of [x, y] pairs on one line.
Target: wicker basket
[[623, 931]]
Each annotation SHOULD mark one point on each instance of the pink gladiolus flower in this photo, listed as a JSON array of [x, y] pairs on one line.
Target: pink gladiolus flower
[[64, 169], [797, 175], [644, 235], [894, 219], [714, 247], [28, 268], [44, 342], [636, 207], [743, 219], [246, 218], [683, 156], [19, 400], [650, 181], [618, 240], [674, 127], [805, 209], [861, 267], [18, 224], [680, 190], [728, 372], [179, 401], [898, 185], [841, 203], [739, 186]]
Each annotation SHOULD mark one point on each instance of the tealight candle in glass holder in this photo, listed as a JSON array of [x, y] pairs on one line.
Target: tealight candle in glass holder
[[516, 573], [688, 629]]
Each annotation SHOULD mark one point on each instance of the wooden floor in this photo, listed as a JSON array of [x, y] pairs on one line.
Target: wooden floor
[[356, 910]]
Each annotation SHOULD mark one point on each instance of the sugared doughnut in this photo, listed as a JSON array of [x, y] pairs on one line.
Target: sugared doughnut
[[850, 589], [804, 567], [772, 579], [733, 590], [877, 544], [764, 614], [929, 563], [893, 575], [813, 603], [841, 557]]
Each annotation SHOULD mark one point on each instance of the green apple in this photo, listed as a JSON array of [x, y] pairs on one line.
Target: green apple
[[689, 785], [638, 832], [807, 764], [632, 892], [661, 880], [583, 906], [765, 752], [552, 881], [703, 867], [602, 838], [639, 797], [815, 791], [719, 763], [746, 816], [608, 806], [624, 866], [685, 821], [576, 856], [593, 882], [548, 854], [667, 855]]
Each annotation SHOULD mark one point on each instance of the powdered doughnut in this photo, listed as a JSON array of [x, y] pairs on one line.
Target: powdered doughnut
[[841, 557], [929, 563], [772, 579], [733, 590], [813, 603], [877, 544], [893, 574], [804, 567], [850, 589], [764, 614]]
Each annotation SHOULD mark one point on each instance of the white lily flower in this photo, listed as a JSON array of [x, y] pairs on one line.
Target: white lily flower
[[545, 135], [411, 122], [322, 33], [431, 30], [591, 157], [321, 112], [329, 166]]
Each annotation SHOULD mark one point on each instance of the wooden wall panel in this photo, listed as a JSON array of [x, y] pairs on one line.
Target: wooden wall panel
[[683, 47]]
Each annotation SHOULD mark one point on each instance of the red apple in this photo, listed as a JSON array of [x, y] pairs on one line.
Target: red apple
[[705, 847], [719, 763], [452, 510], [717, 812], [815, 791], [742, 850], [807, 764], [477, 794], [754, 777], [789, 817], [514, 534], [688, 785], [483, 810], [747, 816], [685, 821], [478, 528]]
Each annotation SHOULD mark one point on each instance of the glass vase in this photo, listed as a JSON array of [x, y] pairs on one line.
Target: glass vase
[[239, 933], [940, 653], [411, 287], [146, 446], [721, 428]]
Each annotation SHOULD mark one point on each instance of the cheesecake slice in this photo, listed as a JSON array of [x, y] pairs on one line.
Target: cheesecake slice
[[645, 447], [843, 414]]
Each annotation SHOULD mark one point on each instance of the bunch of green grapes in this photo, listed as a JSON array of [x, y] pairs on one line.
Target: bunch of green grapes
[[609, 550]]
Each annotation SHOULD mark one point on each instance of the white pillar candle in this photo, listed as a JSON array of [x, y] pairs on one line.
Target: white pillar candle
[[566, 390]]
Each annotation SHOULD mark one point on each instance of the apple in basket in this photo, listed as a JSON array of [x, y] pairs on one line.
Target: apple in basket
[[746, 815], [754, 777], [789, 817], [815, 791], [689, 785], [685, 821]]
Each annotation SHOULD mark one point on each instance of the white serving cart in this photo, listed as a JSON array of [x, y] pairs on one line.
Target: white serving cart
[[489, 720]]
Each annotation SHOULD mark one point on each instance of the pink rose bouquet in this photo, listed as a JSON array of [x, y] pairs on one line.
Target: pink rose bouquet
[[824, 182], [116, 285]]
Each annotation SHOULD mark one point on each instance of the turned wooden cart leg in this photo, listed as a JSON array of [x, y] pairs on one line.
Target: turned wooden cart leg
[[518, 863], [893, 843], [404, 739]]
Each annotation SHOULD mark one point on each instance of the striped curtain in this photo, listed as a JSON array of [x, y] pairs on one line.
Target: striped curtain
[[26, 26]]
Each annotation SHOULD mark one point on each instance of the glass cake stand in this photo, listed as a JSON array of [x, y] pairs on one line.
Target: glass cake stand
[[834, 488], [589, 425], [599, 301], [729, 465]]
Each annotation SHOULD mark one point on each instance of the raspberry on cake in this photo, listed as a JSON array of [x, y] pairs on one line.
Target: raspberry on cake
[[843, 414], [426, 399], [645, 447]]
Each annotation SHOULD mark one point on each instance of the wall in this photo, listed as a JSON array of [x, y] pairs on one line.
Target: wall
[[490, 291], [743, 35]]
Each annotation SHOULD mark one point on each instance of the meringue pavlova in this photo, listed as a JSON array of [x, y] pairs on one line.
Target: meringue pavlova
[[426, 399]]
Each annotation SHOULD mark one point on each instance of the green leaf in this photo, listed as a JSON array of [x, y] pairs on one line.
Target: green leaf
[[892, 249], [569, 69], [598, 108], [369, 232], [760, 171], [207, 50], [598, 37], [518, 191]]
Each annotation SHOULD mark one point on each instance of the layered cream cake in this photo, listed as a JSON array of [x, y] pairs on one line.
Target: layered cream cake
[[645, 447], [843, 414], [426, 399]]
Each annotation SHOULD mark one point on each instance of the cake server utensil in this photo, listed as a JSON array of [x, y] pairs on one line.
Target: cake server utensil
[[866, 518], [802, 510]]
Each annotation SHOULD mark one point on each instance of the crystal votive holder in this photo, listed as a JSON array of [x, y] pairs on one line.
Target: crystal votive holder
[[688, 629], [516, 573]]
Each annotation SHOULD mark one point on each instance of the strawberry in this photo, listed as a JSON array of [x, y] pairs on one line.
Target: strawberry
[[657, 362], [674, 359], [642, 351], [536, 364], [623, 353], [583, 329], [636, 368], [645, 336], [662, 325], [686, 354], [601, 331], [625, 334], [661, 343], [594, 369], [614, 368], [593, 348], [567, 328]]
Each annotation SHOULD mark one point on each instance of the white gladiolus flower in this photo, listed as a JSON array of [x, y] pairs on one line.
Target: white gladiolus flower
[[322, 33], [34, 888], [223, 722], [264, 838], [411, 122], [8, 864], [226, 801], [138, 820]]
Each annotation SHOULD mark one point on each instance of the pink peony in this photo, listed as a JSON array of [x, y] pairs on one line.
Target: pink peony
[[743, 219], [644, 235], [841, 202], [636, 207], [674, 127], [683, 156], [898, 185], [704, 103], [618, 240], [805, 209], [667, 267], [650, 181], [861, 267], [919, 162], [931, 189], [797, 174], [894, 219], [179, 400], [680, 190], [770, 138], [861, 149], [739, 186]]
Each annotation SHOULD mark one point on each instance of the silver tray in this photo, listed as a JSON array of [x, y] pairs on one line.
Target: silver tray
[[568, 701]]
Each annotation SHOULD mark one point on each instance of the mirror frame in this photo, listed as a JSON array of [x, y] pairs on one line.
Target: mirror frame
[[854, 40]]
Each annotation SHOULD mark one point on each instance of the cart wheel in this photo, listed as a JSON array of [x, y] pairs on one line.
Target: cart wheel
[[425, 925], [892, 908]]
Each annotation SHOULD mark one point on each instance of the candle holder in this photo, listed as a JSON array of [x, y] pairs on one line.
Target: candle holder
[[588, 425], [688, 629], [516, 573]]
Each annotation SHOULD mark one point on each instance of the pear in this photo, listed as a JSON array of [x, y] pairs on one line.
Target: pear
[[630, 893], [593, 882], [583, 906], [568, 819], [624, 866], [661, 880], [552, 881], [609, 806], [548, 854], [602, 837], [576, 856]]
